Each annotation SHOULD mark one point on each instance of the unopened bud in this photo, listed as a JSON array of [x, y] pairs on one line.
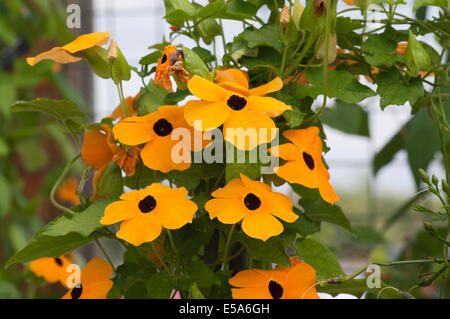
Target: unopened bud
[[435, 180], [112, 51], [424, 176], [429, 228], [285, 17], [416, 58], [297, 12], [445, 188]]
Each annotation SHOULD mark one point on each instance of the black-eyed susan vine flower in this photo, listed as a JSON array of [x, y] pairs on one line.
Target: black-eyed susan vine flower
[[99, 148], [304, 162], [232, 104], [297, 282], [155, 130], [144, 213], [66, 54], [94, 281], [255, 204], [53, 270]]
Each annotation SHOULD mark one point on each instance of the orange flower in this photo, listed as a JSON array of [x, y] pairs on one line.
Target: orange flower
[[255, 204], [349, 2], [304, 162], [99, 148], [169, 57], [234, 105], [296, 282], [146, 211], [67, 192], [66, 53], [52, 269], [94, 282], [155, 130], [131, 103]]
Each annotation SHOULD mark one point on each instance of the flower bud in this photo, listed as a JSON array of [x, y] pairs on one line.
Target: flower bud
[[297, 12], [416, 58], [120, 69], [429, 228], [424, 176], [445, 187], [285, 17], [112, 51], [435, 180], [332, 48]]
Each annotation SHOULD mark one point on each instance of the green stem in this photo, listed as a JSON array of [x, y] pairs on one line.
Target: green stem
[[58, 184], [172, 244], [159, 257], [227, 246], [104, 252], [122, 99]]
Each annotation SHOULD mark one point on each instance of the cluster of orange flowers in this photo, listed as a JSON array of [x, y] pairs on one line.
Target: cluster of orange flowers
[[229, 103]]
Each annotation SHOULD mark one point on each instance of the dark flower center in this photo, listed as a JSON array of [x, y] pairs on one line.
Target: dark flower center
[[147, 204], [308, 160], [162, 127], [252, 201], [236, 102], [76, 292], [275, 290], [59, 262], [164, 58]]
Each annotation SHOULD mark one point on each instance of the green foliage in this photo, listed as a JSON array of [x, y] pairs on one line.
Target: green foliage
[[61, 110], [348, 118]]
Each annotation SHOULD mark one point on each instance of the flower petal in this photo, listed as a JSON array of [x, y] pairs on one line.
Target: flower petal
[[227, 210], [120, 210], [297, 172], [174, 213], [233, 75], [261, 225], [96, 290], [300, 281], [95, 150], [326, 190], [268, 105], [141, 229], [134, 130], [207, 90], [157, 154], [288, 152], [204, 115], [256, 186], [303, 139], [273, 86], [87, 41], [58, 55], [234, 189], [251, 293], [96, 270], [280, 206], [246, 129]]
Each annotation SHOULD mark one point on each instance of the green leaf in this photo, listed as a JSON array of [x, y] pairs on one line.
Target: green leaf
[[97, 57], [387, 153], [303, 226], [294, 118], [266, 57], [195, 65], [5, 196], [143, 177], [347, 117], [199, 273], [208, 29], [46, 246], [416, 57], [120, 69], [271, 250], [160, 286], [150, 98], [356, 287], [380, 51], [340, 84], [393, 89], [59, 109], [83, 223], [9, 291], [195, 293], [150, 58], [111, 183], [319, 210], [241, 9], [319, 257], [268, 35], [436, 3]]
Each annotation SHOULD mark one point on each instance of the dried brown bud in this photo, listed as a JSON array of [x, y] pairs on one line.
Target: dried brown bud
[[320, 8], [176, 56], [178, 71]]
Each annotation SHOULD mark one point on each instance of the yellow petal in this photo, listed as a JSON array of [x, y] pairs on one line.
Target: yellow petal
[[251, 293], [233, 75], [57, 54], [327, 192], [120, 210], [234, 189], [255, 186], [268, 105], [174, 213], [204, 115], [304, 138], [288, 152], [96, 290], [227, 210], [300, 281], [141, 229], [248, 278], [297, 172], [134, 130], [280, 206], [207, 90], [261, 225], [87, 41], [273, 86], [96, 270]]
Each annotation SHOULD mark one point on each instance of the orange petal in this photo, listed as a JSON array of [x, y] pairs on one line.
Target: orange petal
[[58, 55], [235, 87], [162, 191], [204, 115], [174, 213], [141, 229], [251, 293], [120, 210], [96, 290], [87, 41], [326, 191], [246, 129], [234, 189], [227, 210], [96, 270], [255, 186], [207, 90], [95, 150], [134, 130], [300, 281], [273, 86], [261, 225], [131, 108], [280, 206], [288, 152], [249, 278], [304, 138], [297, 172], [268, 105], [157, 155], [233, 75]]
